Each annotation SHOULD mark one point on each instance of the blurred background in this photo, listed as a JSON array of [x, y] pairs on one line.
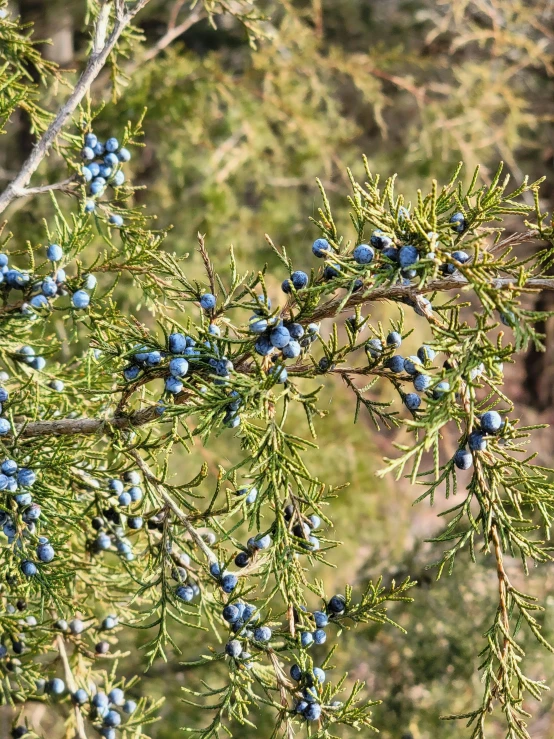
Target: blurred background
[[234, 139]]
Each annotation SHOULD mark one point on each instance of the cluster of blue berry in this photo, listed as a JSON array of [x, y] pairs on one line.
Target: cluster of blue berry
[[109, 524], [304, 529], [103, 709], [490, 423], [102, 168], [242, 619]]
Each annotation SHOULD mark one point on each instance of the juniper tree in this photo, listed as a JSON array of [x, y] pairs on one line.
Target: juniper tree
[[103, 535]]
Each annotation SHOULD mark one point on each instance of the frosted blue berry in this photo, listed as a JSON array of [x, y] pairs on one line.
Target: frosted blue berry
[[208, 301], [184, 592], [363, 254], [229, 583], [28, 568], [296, 673], [321, 247], [295, 330], [262, 542], [422, 382], [109, 623], [9, 467], [102, 542], [231, 614], [491, 422], [4, 427], [379, 240], [56, 686], [374, 347], [463, 459], [299, 279], [441, 389], [262, 634], [135, 493], [80, 299], [279, 372], [395, 364], [131, 372], [54, 252], [233, 648], [112, 144], [115, 220], [394, 339], [76, 626], [214, 330], [26, 477], [39, 301], [412, 401], [173, 385], [279, 337], [129, 707], [80, 696], [45, 552], [306, 639], [476, 442], [49, 287], [3, 260], [116, 696], [315, 521], [124, 155], [459, 222], [461, 256], [91, 140], [87, 154], [177, 343], [263, 346], [408, 255], [100, 700], [336, 605], [391, 253], [99, 149], [252, 495], [4, 394], [319, 675], [412, 365], [178, 367], [87, 174], [119, 178], [110, 160], [97, 186], [115, 486], [90, 206], [112, 718], [331, 271], [312, 712], [301, 706], [124, 499], [257, 325], [320, 637], [105, 171], [94, 169], [23, 499]]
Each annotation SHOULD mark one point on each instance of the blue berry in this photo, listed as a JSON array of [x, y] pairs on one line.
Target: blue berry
[[28, 568], [87, 174], [97, 186], [412, 401], [426, 354], [112, 718], [231, 613], [459, 222], [463, 459], [116, 696], [90, 206], [491, 422], [4, 427], [379, 240], [280, 373], [374, 347], [331, 271], [178, 367], [296, 673], [363, 254], [412, 365], [112, 144], [26, 477], [394, 339], [100, 700], [321, 247], [461, 256], [312, 712], [80, 299], [45, 552], [39, 301], [116, 486], [476, 442], [279, 337], [110, 160], [396, 364], [319, 675], [422, 382], [408, 255], [124, 499], [102, 542], [49, 287], [87, 154], [119, 178], [336, 604], [54, 252], [135, 493], [262, 542], [262, 633], [233, 648], [99, 149], [109, 623], [292, 350], [320, 637], [306, 639], [124, 155], [315, 522], [229, 583], [94, 169], [129, 707], [80, 696], [23, 499], [214, 330], [184, 592], [296, 331], [116, 220], [301, 706], [91, 140], [4, 394], [108, 732], [208, 301], [391, 253], [441, 389], [257, 325], [135, 522], [177, 343], [9, 467], [38, 363], [105, 171], [56, 686], [299, 279]]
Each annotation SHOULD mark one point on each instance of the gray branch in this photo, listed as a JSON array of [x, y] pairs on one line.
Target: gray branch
[[103, 45]]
